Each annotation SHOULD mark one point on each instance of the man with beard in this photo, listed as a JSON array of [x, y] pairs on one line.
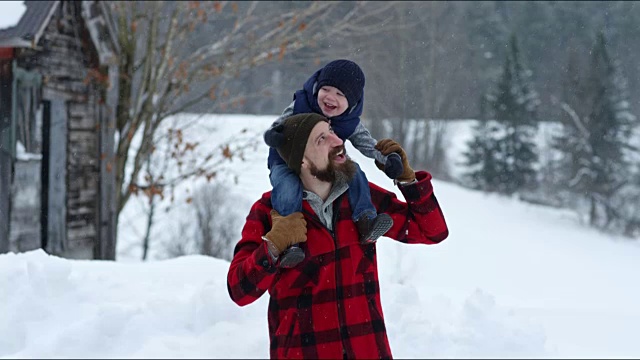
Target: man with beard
[[329, 305]]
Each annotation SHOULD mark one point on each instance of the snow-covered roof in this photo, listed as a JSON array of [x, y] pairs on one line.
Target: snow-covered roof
[[24, 28], [26, 21], [10, 13]]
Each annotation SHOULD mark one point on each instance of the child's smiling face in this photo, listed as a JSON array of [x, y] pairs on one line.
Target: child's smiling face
[[332, 101]]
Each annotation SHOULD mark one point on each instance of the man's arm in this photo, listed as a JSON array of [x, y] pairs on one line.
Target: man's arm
[[255, 257], [419, 220], [252, 270]]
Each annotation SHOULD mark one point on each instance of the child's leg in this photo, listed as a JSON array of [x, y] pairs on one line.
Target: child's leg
[[286, 196], [370, 224], [360, 196]]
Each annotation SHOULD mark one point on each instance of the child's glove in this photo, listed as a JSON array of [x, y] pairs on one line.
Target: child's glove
[[393, 167], [274, 136], [387, 147]]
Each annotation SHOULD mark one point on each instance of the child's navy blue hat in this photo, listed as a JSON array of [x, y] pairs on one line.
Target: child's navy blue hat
[[346, 76]]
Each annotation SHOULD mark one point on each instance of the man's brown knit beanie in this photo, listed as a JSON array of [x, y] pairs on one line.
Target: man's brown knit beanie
[[297, 129]]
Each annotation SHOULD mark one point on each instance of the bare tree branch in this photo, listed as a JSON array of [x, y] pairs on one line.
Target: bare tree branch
[[163, 74]]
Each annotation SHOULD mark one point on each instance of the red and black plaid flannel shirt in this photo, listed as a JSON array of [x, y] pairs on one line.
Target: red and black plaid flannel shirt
[[329, 305]]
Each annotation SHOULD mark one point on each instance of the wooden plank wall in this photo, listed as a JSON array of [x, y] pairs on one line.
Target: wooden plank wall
[[25, 200], [57, 175], [5, 199], [6, 163], [64, 58]]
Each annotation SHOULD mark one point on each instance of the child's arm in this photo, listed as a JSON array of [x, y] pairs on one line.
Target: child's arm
[[365, 143], [273, 135], [285, 114]]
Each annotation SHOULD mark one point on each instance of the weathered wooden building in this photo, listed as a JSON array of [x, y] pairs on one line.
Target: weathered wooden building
[[58, 92]]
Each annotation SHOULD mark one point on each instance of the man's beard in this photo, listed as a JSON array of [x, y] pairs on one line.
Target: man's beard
[[346, 170]]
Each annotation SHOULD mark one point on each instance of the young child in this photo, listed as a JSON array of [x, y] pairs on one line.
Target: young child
[[335, 91]]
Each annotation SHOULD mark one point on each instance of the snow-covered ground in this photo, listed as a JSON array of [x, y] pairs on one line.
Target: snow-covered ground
[[513, 280]]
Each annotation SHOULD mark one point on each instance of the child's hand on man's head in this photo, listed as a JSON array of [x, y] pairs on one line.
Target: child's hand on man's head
[[274, 136]]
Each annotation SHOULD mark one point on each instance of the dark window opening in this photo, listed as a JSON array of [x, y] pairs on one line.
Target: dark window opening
[[44, 171]]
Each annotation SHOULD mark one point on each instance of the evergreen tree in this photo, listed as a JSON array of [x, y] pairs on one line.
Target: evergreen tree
[[513, 155], [480, 158], [610, 126], [518, 104], [595, 138]]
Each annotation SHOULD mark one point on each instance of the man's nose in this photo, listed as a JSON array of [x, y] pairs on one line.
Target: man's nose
[[335, 140]]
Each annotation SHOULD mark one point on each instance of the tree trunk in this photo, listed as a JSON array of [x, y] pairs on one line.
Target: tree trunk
[[593, 212], [147, 234]]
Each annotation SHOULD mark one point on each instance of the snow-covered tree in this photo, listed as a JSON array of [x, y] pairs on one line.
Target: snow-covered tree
[[595, 142], [514, 100], [481, 158], [175, 56], [513, 105]]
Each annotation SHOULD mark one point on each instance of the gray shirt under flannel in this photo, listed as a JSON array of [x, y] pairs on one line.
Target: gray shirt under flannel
[[324, 209]]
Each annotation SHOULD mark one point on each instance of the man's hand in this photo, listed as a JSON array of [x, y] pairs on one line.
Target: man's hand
[[388, 146], [287, 230], [274, 136]]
